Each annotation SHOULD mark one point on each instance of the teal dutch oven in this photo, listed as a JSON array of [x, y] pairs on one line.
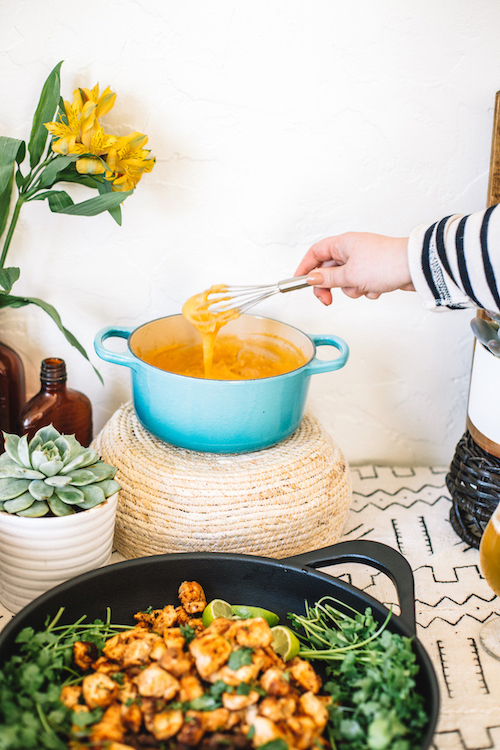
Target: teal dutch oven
[[218, 416]]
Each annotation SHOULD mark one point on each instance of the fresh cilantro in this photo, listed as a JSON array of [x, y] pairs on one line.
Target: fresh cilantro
[[187, 632], [273, 745], [372, 678], [211, 699], [241, 657], [205, 702], [117, 677], [83, 719], [31, 715], [243, 689], [218, 688]]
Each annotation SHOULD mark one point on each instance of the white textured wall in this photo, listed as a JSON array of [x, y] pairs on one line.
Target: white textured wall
[[274, 123]]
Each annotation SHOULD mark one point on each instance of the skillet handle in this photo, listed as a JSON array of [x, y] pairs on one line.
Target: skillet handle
[[377, 555]]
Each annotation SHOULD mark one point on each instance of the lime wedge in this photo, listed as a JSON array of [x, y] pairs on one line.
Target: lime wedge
[[215, 608], [245, 613], [285, 643]]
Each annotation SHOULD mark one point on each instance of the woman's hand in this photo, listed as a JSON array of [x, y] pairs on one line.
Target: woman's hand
[[359, 263]]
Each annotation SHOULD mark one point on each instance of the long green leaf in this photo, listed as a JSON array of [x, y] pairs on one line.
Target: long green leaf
[[104, 188], [10, 150], [5, 197], [49, 99], [8, 277], [71, 175], [10, 300], [58, 199], [51, 172], [95, 206]]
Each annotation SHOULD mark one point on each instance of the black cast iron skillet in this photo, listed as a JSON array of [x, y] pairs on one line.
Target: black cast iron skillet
[[279, 585]]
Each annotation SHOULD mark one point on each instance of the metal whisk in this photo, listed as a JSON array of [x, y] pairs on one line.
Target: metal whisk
[[242, 298]]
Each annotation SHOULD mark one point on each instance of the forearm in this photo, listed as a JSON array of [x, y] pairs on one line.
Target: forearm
[[455, 263]]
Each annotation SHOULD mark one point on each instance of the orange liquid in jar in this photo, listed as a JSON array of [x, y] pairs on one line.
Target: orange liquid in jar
[[255, 356], [489, 552]]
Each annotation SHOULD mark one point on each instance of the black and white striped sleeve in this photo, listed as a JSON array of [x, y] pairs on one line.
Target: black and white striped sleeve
[[455, 263]]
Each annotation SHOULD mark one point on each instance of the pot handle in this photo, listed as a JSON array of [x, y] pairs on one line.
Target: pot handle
[[118, 358], [377, 555], [321, 365]]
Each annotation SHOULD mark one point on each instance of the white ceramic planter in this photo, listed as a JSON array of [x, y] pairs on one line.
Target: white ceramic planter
[[37, 554], [483, 410]]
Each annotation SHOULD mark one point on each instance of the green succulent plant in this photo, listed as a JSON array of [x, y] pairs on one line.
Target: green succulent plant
[[52, 474]]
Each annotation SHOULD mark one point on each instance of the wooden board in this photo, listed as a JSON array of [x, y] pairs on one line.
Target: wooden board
[[494, 176]]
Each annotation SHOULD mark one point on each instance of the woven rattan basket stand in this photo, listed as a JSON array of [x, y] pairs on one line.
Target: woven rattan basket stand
[[287, 499]]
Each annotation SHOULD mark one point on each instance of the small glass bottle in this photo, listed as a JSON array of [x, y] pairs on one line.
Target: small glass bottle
[[12, 390], [69, 411]]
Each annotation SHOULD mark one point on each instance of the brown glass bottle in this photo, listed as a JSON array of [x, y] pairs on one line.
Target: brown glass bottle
[[69, 411], [12, 391]]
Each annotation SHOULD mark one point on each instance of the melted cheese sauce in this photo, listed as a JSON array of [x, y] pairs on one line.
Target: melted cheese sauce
[[225, 357], [207, 322], [258, 355]]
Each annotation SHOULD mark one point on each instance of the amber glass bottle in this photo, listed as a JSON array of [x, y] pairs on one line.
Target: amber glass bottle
[[12, 390], [69, 411]]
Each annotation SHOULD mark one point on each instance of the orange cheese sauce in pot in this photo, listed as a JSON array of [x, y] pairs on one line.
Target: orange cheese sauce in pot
[[258, 355], [222, 356]]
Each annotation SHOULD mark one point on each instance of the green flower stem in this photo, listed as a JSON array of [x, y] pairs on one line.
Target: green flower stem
[[10, 230], [31, 188], [25, 193]]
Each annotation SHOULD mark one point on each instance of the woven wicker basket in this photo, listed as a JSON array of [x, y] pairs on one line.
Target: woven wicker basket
[[474, 485], [277, 502]]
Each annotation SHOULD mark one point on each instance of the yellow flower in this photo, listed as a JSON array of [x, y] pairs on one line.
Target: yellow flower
[[66, 135], [92, 106], [128, 161], [83, 134], [99, 145], [125, 158]]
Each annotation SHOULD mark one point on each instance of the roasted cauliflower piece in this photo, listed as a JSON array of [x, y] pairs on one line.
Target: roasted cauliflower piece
[[84, 653], [304, 731], [165, 723], [278, 709], [252, 633], [70, 695], [159, 619], [192, 730], [131, 716], [274, 682], [315, 708], [99, 690], [155, 682], [246, 673], [191, 688], [192, 597], [138, 650], [210, 652], [176, 661], [264, 730], [303, 673], [110, 727], [235, 702]]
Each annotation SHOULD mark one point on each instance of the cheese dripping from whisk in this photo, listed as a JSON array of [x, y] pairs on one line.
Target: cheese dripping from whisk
[[208, 321]]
